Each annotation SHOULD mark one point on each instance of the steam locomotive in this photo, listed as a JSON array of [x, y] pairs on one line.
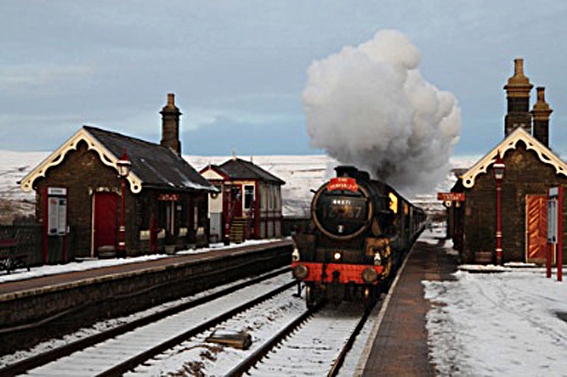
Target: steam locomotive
[[360, 229]]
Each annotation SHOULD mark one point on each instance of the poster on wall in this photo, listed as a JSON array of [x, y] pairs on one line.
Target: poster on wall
[[56, 211]]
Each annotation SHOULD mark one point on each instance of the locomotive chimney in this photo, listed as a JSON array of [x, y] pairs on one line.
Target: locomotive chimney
[[541, 113], [352, 172], [170, 125], [345, 171], [518, 95]]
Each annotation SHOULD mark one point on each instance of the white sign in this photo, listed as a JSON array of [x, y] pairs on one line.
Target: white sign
[[61, 191], [552, 220], [56, 211]]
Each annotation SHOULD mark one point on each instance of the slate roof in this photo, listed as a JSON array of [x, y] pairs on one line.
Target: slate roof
[[156, 166], [236, 168]]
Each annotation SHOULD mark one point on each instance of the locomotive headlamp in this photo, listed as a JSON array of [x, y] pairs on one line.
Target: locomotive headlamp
[[337, 256], [369, 275], [377, 259], [300, 272], [295, 256]]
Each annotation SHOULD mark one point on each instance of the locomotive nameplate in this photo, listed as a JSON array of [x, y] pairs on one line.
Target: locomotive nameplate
[[342, 183]]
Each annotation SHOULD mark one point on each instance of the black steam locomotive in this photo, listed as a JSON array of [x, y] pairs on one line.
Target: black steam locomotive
[[360, 229]]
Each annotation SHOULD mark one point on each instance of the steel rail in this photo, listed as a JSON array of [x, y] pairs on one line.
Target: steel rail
[[65, 350], [133, 362], [263, 350], [348, 345], [77, 308]]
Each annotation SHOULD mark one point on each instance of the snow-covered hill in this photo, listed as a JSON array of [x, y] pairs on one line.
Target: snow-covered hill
[[301, 174]]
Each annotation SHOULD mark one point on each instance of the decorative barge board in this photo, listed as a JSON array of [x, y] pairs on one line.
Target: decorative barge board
[[165, 200], [531, 169]]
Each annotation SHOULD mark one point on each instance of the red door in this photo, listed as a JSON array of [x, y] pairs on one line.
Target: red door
[[105, 220], [536, 228], [236, 201]]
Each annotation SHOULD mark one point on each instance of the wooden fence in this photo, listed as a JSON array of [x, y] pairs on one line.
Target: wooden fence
[[29, 240]]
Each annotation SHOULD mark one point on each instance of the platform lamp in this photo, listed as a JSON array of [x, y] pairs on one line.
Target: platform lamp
[[498, 169], [123, 165]]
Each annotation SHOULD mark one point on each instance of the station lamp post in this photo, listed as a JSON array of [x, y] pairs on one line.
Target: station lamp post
[[498, 172], [123, 165]]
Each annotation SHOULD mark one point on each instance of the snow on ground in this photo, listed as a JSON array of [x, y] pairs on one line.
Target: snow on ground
[[507, 321], [13, 167], [482, 324], [301, 174], [511, 321]]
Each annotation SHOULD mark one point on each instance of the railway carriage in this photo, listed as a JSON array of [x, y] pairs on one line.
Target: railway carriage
[[360, 230]]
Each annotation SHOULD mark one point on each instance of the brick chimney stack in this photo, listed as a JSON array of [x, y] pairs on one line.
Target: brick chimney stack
[[170, 125], [541, 113], [518, 94]]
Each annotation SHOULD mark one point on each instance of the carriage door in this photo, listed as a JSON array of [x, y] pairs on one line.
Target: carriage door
[[105, 220], [536, 228]]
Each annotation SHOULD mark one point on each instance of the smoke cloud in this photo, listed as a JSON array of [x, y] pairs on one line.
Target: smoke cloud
[[370, 107]]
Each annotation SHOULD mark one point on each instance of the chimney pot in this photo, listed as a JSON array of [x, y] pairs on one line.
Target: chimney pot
[[518, 90], [540, 94], [170, 125], [541, 112], [519, 67]]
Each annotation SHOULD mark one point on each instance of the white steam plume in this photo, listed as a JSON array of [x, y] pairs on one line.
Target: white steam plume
[[369, 106]]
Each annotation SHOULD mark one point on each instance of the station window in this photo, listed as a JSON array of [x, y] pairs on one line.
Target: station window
[[248, 196], [271, 197]]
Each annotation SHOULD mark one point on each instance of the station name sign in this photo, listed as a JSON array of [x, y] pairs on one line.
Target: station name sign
[[451, 196], [168, 197]]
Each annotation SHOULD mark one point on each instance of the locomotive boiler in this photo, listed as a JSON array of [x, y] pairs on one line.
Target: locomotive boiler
[[360, 229]]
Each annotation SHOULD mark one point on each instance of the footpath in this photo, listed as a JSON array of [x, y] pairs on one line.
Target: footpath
[[399, 339]]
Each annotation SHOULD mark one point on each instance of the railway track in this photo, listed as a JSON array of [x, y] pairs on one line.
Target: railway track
[[136, 341], [316, 343], [313, 341]]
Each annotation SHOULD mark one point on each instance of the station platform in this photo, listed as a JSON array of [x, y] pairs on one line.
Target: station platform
[[66, 280], [397, 345], [44, 307]]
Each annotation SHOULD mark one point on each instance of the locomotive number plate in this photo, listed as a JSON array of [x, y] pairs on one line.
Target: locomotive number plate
[[342, 183]]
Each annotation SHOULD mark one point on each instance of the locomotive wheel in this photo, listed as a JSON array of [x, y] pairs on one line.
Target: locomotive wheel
[[387, 268], [369, 298]]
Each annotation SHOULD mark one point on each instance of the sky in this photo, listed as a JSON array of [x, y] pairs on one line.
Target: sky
[[240, 70]]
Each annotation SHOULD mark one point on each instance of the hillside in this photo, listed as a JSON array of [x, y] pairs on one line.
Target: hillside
[[301, 174]]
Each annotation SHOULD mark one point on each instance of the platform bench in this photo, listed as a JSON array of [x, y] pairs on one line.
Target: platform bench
[[9, 260]]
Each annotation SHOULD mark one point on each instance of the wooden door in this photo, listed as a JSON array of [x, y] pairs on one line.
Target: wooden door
[[105, 220], [237, 201], [536, 228]]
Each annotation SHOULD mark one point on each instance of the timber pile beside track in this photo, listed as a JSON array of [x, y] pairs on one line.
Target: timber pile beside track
[[37, 309]]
